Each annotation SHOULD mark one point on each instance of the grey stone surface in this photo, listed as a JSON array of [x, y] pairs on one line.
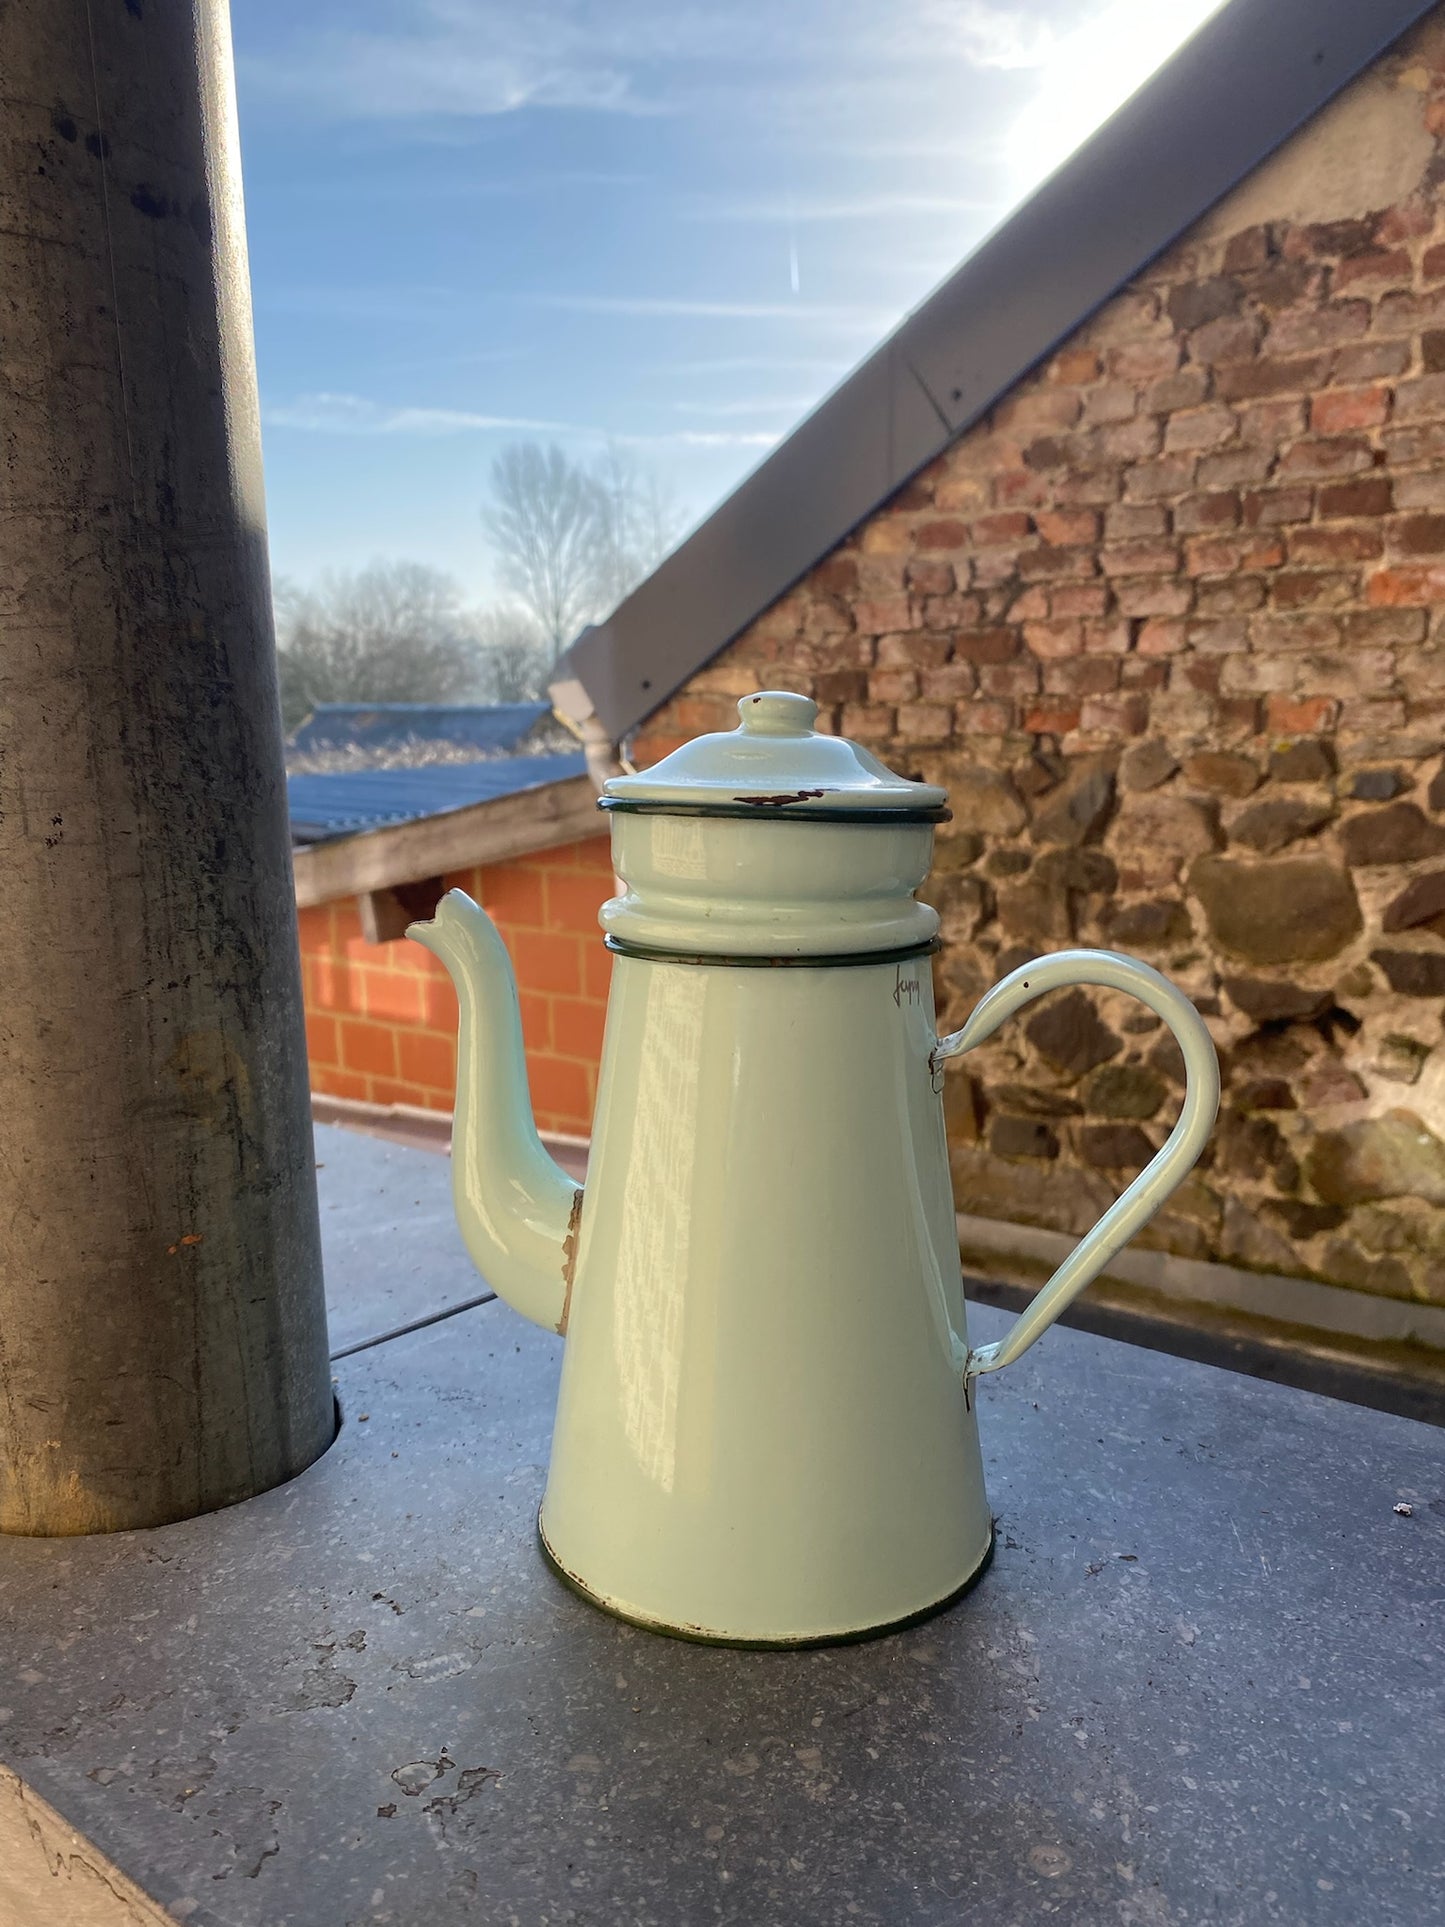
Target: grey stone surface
[[1292, 910], [1195, 1686], [392, 1250]]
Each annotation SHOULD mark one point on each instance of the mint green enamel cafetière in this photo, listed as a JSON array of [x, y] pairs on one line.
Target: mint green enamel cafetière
[[765, 1431]]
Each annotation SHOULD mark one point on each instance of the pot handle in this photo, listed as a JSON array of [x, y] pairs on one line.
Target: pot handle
[[1169, 1166]]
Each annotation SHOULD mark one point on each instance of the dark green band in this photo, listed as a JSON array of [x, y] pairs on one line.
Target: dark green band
[[842, 960], [774, 812]]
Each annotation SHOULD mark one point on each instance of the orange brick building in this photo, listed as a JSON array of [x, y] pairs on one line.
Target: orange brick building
[[381, 1018], [381, 1013]]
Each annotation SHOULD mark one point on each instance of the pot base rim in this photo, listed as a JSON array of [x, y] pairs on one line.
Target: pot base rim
[[788, 1642]]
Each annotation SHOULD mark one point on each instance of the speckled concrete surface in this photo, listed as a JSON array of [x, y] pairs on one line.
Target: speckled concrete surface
[[1198, 1685], [393, 1251]]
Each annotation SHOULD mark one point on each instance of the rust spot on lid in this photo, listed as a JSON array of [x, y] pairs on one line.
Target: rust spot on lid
[[191, 1238]]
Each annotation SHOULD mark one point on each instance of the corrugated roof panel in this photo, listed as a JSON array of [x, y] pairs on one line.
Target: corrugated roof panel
[[391, 726], [347, 802]]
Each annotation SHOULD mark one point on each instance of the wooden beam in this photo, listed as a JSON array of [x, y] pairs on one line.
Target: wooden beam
[[387, 915], [491, 832]]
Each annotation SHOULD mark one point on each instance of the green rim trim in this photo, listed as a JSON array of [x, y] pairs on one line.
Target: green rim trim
[[769, 812], [693, 1638], [842, 960]]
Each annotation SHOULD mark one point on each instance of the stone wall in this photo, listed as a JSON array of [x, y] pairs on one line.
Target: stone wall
[[1168, 624]]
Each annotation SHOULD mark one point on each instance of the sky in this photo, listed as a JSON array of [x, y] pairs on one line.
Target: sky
[[664, 225]]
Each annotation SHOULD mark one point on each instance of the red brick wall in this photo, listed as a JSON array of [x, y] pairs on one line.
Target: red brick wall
[[1170, 624], [381, 1018]]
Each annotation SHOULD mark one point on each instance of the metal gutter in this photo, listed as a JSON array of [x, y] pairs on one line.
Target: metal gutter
[[1250, 77]]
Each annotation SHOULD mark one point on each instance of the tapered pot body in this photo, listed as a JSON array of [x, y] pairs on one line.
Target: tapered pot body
[[762, 1433]]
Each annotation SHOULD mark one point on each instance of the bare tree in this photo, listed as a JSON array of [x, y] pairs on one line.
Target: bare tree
[[544, 519], [513, 655], [638, 524], [393, 632], [572, 542]]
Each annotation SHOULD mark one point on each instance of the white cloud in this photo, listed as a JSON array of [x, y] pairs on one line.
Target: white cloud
[[753, 364], [995, 36], [338, 414], [471, 58], [402, 303], [856, 207], [326, 413], [721, 438], [753, 405], [405, 304], [705, 438], [835, 316], [467, 358], [481, 58], [1084, 74], [460, 184]]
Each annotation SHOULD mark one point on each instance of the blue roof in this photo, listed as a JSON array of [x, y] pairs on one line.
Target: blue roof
[[346, 802], [391, 726]]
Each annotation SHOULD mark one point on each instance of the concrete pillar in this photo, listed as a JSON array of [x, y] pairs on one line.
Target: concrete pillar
[[162, 1329]]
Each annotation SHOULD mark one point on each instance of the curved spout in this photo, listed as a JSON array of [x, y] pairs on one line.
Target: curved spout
[[517, 1211]]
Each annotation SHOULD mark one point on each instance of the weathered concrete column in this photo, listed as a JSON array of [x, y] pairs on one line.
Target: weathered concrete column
[[162, 1330]]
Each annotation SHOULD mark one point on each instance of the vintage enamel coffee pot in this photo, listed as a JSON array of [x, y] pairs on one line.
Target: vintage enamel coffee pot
[[765, 1430]]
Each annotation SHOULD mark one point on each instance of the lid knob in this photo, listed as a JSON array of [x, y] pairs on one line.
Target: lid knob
[[778, 712]]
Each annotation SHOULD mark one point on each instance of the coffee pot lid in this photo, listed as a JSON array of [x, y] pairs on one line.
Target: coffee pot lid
[[775, 764]]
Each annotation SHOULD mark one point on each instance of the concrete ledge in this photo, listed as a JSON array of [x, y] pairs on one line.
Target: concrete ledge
[[50, 1874], [428, 1130], [400, 1123], [1192, 1281]]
